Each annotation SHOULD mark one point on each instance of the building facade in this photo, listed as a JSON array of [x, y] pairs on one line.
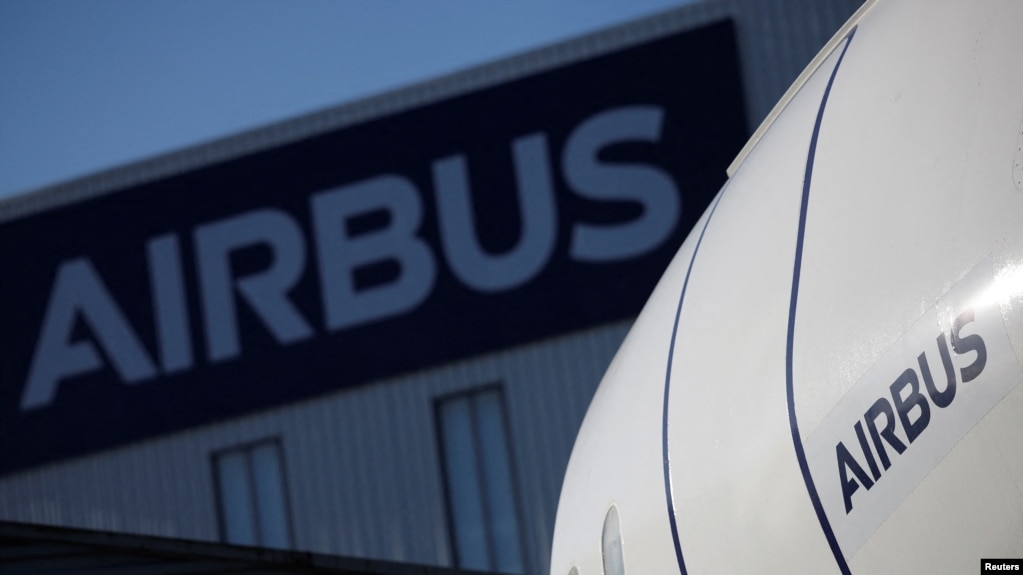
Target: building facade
[[373, 331]]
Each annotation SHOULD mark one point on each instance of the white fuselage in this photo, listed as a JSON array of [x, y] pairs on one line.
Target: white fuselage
[[826, 379]]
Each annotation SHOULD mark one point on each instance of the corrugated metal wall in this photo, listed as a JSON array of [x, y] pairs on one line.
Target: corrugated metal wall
[[777, 39], [362, 465]]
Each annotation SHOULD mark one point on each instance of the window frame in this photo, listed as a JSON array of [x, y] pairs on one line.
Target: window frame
[[470, 394], [246, 449]]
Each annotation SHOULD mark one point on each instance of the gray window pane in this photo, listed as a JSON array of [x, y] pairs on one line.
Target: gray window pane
[[611, 544], [236, 499], [463, 485], [498, 480], [269, 488]]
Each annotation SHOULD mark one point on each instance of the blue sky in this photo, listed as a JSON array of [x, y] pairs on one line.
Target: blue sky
[[89, 85]]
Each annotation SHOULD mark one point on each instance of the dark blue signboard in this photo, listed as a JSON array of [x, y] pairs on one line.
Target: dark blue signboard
[[540, 206]]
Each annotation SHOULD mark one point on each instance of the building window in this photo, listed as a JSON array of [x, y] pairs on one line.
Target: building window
[[252, 495], [478, 479]]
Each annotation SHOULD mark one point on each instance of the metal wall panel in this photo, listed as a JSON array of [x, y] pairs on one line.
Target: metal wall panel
[[777, 39], [363, 467]]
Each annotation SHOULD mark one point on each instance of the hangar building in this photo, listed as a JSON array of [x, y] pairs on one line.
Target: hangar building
[[373, 331]]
